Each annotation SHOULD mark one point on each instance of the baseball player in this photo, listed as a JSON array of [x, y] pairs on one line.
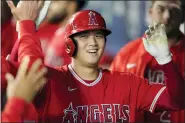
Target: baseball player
[[83, 92], [134, 58]]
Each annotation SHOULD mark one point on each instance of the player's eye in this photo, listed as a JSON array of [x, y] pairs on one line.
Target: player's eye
[[99, 35], [160, 9], [84, 36]]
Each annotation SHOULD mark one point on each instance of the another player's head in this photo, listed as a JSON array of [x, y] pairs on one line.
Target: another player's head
[[85, 37], [169, 13], [59, 10]]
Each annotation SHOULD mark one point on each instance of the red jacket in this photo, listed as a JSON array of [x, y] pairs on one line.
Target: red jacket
[[17, 110], [134, 58], [7, 67]]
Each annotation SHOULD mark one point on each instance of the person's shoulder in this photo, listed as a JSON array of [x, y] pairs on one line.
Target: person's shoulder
[[115, 74], [120, 79]]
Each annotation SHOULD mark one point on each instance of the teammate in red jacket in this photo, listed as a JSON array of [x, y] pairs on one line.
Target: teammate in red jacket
[[21, 91], [134, 58], [83, 92]]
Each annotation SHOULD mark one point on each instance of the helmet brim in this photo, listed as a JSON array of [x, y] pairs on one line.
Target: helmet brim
[[76, 31]]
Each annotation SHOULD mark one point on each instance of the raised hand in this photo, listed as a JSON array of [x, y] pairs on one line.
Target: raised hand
[[156, 43], [25, 10], [27, 83]]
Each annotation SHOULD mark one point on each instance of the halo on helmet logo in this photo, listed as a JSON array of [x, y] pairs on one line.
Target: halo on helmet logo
[[92, 18]]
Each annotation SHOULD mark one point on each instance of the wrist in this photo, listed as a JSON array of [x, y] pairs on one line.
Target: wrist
[[164, 59], [27, 26], [16, 104]]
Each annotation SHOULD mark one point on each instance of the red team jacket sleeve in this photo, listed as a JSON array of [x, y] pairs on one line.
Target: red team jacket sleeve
[[169, 97], [175, 88], [29, 43], [4, 69], [7, 66], [147, 95], [17, 110]]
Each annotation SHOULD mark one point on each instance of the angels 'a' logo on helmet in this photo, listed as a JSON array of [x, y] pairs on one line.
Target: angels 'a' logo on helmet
[[92, 19]]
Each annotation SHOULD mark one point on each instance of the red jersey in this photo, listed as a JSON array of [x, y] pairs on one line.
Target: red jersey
[[134, 58], [17, 110], [67, 97]]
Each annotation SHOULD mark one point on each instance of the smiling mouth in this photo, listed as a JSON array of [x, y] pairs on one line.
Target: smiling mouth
[[92, 51]]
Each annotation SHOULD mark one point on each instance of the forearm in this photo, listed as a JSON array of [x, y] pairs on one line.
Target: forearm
[[17, 110], [7, 67], [29, 43], [175, 88], [14, 52]]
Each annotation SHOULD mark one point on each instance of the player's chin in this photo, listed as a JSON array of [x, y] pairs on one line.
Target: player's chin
[[93, 61], [92, 64]]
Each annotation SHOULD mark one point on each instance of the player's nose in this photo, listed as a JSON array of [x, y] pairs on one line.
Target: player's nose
[[166, 17]]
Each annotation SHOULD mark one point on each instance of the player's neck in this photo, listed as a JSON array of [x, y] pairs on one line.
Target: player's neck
[[86, 73]]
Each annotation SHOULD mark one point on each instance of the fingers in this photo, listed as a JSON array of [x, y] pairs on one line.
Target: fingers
[[146, 43], [148, 34], [34, 68], [34, 73], [41, 73], [156, 25], [23, 68], [162, 26], [9, 77], [40, 3], [8, 57], [40, 84], [153, 29], [11, 4]]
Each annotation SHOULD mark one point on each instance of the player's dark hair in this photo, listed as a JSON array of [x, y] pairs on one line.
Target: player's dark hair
[[76, 46], [81, 4]]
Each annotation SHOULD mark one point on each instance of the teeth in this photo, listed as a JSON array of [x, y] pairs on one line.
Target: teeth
[[92, 51]]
